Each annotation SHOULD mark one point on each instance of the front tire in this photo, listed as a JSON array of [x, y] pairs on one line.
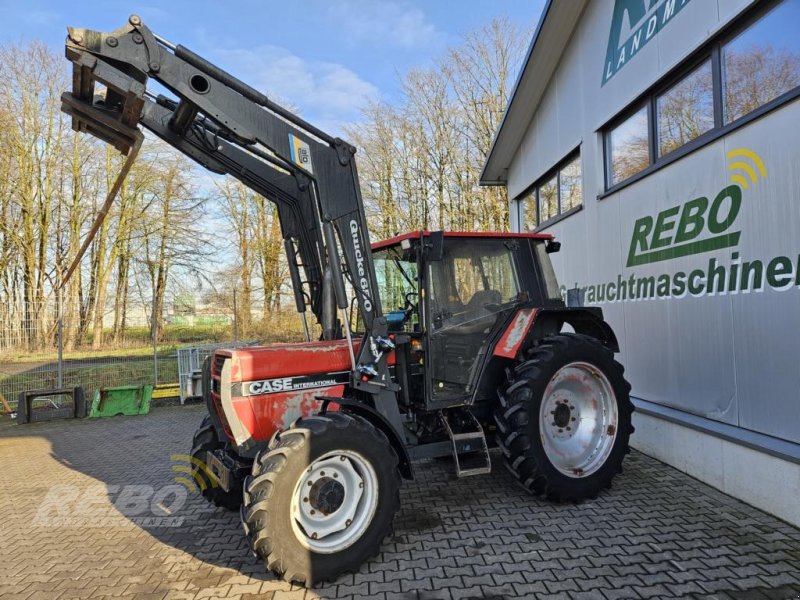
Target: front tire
[[206, 440], [564, 419], [321, 497]]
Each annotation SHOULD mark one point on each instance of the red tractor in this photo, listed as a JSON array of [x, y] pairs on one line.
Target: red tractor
[[433, 344]]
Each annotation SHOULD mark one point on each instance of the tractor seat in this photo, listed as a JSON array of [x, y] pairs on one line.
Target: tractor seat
[[475, 317]]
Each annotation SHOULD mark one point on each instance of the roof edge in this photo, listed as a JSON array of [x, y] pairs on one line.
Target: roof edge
[[482, 180], [550, 41]]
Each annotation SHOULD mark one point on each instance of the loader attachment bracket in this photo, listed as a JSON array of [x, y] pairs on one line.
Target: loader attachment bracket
[[113, 118]]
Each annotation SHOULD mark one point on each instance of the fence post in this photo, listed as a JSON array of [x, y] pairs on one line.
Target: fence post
[[60, 317], [154, 333], [235, 319]]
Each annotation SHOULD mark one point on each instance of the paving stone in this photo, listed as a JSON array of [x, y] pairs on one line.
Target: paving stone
[[657, 533]]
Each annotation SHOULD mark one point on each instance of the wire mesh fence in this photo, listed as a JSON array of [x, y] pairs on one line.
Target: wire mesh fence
[[44, 348]]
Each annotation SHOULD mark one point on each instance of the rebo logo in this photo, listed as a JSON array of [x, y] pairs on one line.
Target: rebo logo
[[699, 225]]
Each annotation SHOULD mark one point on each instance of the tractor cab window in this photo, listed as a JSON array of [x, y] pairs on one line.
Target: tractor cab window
[[396, 276], [471, 286], [472, 282]]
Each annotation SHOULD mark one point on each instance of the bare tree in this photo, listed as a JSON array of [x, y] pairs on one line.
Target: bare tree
[[30, 101], [171, 231], [269, 253], [421, 161], [236, 201]]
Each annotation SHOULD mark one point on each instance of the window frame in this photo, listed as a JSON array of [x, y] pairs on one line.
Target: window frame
[[711, 50], [531, 193]]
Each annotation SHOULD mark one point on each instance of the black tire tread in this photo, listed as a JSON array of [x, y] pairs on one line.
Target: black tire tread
[[266, 476], [515, 411]]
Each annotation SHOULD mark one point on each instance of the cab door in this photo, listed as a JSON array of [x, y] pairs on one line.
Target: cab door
[[468, 290]]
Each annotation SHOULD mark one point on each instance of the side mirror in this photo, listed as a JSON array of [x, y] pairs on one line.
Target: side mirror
[[552, 246], [434, 245]]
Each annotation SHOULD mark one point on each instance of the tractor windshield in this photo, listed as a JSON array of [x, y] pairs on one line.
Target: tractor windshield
[[396, 275]]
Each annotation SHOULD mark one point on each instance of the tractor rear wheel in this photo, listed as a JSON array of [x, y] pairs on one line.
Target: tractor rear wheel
[[206, 440], [564, 418], [321, 497]]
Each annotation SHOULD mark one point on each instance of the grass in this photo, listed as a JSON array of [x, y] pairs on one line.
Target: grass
[[92, 377], [85, 353], [137, 343], [281, 327]]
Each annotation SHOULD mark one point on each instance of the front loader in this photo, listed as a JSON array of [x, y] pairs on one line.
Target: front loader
[[434, 344]]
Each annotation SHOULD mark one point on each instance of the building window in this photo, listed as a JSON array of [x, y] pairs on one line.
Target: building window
[[528, 212], [548, 199], [556, 193], [686, 110], [762, 62], [744, 69], [569, 185], [628, 147]]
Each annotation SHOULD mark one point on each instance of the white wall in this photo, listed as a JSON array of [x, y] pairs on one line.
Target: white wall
[[730, 358]]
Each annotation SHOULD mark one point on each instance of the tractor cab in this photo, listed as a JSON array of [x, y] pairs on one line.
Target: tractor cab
[[452, 295]]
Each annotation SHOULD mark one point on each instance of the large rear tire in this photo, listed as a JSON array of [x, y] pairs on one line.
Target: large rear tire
[[206, 440], [564, 418], [321, 497]]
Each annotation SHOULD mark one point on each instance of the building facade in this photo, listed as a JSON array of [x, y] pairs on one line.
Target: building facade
[[659, 141]]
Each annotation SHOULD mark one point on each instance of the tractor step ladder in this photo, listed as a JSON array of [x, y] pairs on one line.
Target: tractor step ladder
[[469, 446]]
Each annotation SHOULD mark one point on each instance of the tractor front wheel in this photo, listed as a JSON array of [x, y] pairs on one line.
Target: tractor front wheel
[[564, 418], [321, 497]]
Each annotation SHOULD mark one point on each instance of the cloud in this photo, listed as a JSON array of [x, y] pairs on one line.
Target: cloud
[[327, 94], [394, 23]]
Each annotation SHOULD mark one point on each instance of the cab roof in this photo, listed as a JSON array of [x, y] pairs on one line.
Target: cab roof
[[412, 235]]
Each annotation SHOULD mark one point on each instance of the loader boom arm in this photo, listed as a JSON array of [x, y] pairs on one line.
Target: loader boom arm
[[229, 127]]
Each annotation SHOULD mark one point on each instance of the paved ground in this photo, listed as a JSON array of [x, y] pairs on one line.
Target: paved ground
[[77, 522]]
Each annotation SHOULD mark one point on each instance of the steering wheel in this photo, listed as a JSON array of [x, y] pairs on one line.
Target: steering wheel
[[496, 308], [409, 305]]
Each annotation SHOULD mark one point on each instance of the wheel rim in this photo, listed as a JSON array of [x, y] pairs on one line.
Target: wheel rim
[[334, 501], [578, 419]]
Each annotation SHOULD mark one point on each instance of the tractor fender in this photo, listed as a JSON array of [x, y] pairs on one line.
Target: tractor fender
[[356, 407], [584, 320], [522, 329]]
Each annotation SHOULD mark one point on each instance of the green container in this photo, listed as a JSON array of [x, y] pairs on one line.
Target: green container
[[123, 400]]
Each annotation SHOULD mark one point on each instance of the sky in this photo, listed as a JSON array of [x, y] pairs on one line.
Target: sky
[[326, 58]]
